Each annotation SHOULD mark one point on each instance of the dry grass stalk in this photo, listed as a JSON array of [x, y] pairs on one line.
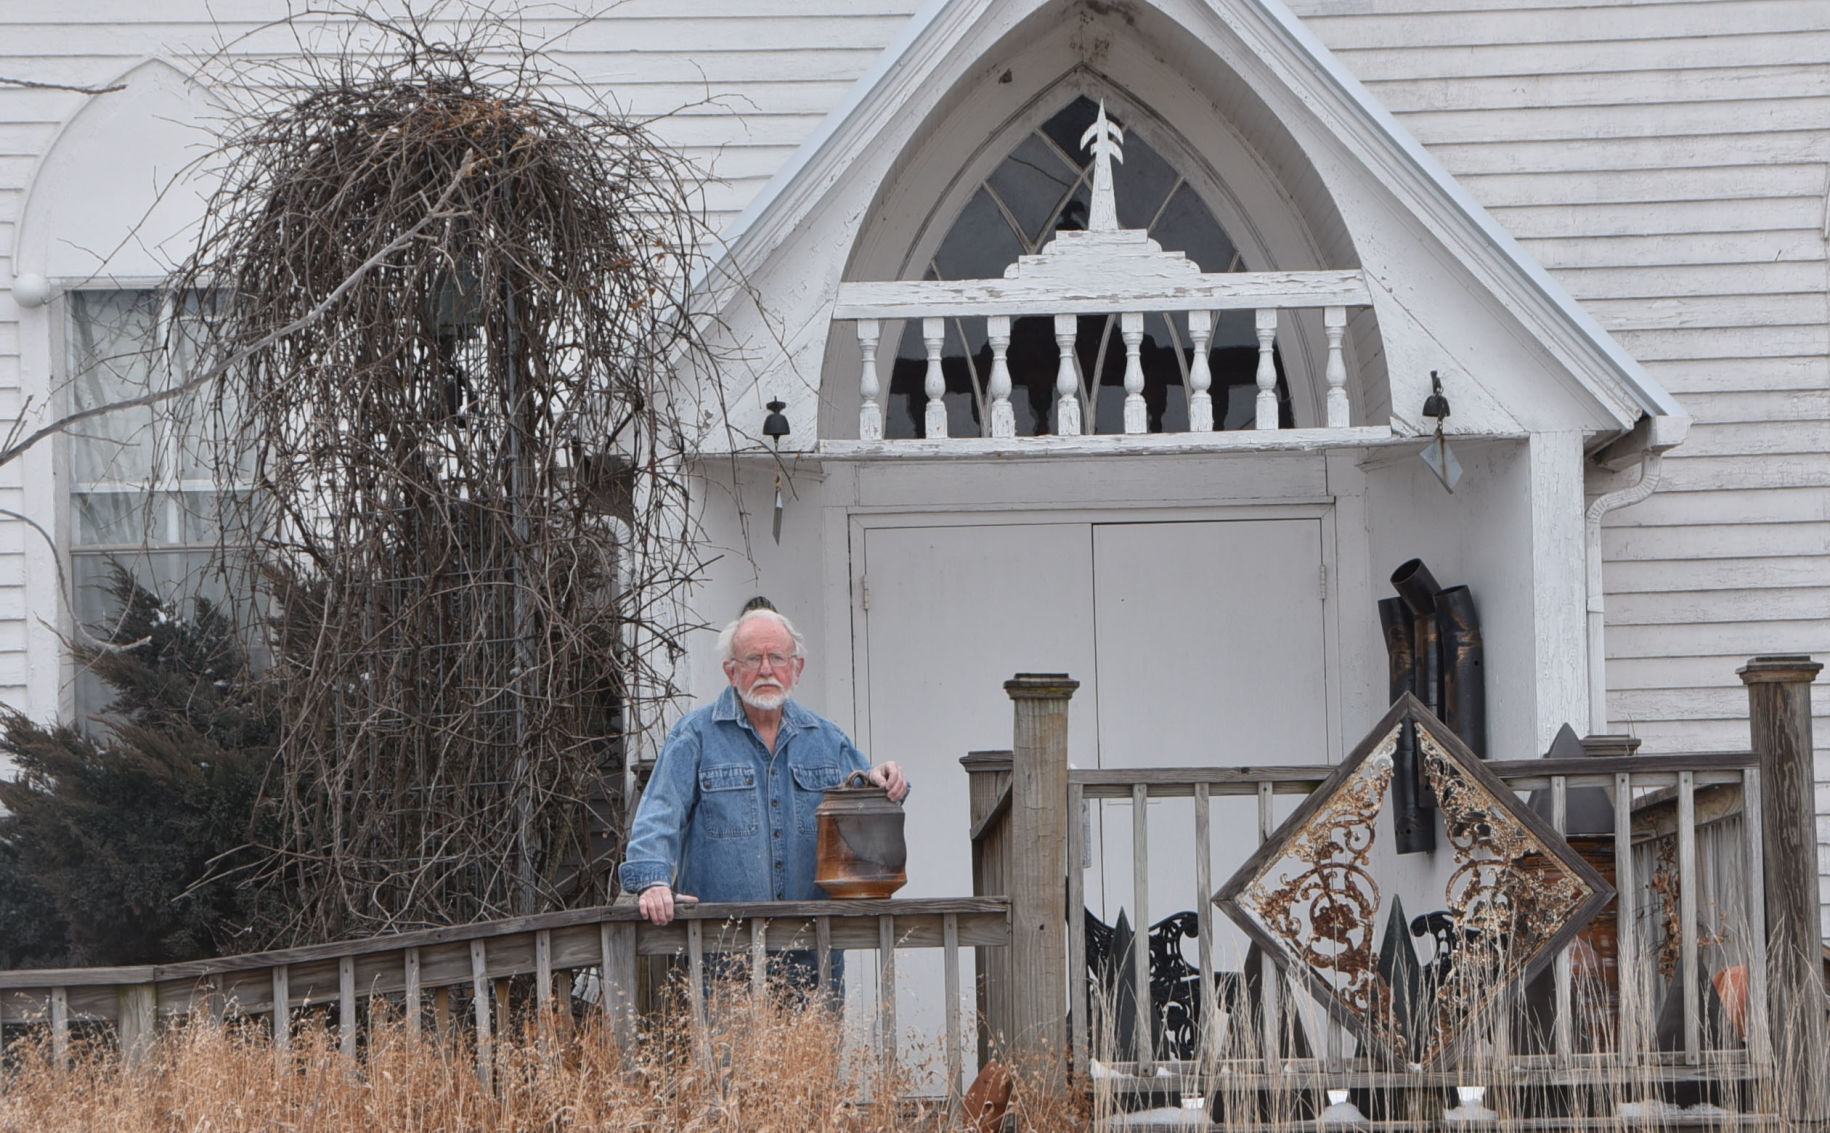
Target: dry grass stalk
[[773, 1068]]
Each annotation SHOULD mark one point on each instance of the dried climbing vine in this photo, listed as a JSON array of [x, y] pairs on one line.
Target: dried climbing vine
[[454, 475]]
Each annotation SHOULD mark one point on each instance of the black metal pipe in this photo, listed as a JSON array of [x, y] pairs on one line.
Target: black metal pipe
[[1413, 826], [1417, 587], [1464, 692], [1396, 623]]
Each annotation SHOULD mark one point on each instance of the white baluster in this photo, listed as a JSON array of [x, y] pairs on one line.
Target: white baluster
[[1334, 322], [1003, 420], [1067, 382], [870, 413], [1131, 329], [934, 333], [1266, 324], [1200, 378]]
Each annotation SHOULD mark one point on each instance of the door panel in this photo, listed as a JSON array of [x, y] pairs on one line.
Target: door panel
[[1196, 643], [954, 612], [1210, 642]]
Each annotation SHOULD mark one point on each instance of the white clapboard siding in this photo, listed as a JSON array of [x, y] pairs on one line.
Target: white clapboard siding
[[1666, 162]]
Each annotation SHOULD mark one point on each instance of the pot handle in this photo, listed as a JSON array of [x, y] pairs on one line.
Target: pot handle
[[857, 779]]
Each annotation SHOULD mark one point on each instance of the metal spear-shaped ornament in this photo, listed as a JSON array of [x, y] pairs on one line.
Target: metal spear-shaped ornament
[[1105, 140]]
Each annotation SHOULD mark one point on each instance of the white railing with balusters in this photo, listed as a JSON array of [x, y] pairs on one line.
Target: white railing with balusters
[[1191, 298]]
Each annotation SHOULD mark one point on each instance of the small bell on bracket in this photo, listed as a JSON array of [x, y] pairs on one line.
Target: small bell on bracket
[[1436, 454], [775, 427]]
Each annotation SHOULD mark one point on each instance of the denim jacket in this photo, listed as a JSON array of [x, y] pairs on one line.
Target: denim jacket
[[723, 819]]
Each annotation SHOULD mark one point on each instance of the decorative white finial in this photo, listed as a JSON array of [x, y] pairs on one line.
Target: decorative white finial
[[1106, 142]]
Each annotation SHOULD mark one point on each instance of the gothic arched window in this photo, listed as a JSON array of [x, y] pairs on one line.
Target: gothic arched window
[[1043, 186]]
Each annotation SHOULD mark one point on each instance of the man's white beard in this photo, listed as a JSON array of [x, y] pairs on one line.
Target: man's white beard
[[765, 700]]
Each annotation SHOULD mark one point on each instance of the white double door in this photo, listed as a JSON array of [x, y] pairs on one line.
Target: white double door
[[1196, 643]]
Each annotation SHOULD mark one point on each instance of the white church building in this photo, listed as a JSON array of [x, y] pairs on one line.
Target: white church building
[[1105, 332]]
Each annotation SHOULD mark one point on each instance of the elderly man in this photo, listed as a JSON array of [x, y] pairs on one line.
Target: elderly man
[[728, 814]]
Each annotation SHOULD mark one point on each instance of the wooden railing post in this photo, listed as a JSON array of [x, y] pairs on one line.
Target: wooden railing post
[[1038, 871], [1779, 718], [138, 1005], [987, 787]]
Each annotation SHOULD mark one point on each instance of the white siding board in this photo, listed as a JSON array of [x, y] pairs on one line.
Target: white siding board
[[1696, 281], [1606, 89], [1528, 25], [1727, 701], [1723, 642], [1726, 507], [1621, 121], [1672, 673], [1529, 58], [1713, 312], [1761, 405], [1699, 343], [1752, 214], [1719, 541], [1657, 576], [1709, 438], [1490, 155], [1648, 186], [1678, 735], [1810, 470], [1713, 379]]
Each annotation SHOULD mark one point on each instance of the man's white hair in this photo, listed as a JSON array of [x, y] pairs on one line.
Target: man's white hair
[[727, 637]]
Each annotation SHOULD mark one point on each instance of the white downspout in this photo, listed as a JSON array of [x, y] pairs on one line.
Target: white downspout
[[1598, 657]]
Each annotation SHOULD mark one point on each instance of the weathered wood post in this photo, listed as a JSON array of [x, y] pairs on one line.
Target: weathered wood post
[[1038, 872], [138, 1005], [1779, 718], [988, 813]]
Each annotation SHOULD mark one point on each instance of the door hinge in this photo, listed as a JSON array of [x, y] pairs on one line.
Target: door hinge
[[864, 591], [1323, 570]]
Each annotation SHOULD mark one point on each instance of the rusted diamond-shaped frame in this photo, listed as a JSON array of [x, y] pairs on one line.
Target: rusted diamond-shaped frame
[[1309, 899]]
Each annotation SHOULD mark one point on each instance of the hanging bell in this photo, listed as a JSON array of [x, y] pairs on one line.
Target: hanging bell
[[775, 425]]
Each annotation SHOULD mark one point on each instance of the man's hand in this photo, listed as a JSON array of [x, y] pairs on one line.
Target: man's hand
[[657, 903], [888, 775]]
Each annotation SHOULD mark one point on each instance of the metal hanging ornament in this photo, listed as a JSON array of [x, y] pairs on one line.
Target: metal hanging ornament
[[1437, 453], [775, 427]]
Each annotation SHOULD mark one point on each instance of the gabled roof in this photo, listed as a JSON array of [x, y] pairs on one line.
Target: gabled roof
[[945, 41]]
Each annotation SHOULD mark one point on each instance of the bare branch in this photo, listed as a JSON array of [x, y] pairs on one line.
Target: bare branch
[[211, 373], [32, 84]]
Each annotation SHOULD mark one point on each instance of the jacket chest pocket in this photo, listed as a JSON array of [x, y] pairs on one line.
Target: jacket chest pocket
[[810, 786], [727, 802]]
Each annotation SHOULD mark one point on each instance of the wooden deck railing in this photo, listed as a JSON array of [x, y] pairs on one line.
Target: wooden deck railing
[[483, 957], [1633, 782], [1697, 861]]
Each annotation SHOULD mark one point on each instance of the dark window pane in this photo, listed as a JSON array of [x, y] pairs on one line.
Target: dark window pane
[[980, 244], [1032, 182], [1187, 226], [1140, 184], [1068, 124]]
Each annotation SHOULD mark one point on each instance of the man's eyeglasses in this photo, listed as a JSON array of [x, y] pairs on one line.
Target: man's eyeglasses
[[754, 661]]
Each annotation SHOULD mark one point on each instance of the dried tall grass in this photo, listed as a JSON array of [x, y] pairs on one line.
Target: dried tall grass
[[759, 1066]]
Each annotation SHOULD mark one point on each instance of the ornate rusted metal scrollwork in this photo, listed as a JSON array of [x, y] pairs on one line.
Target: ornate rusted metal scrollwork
[[1323, 905], [1514, 891]]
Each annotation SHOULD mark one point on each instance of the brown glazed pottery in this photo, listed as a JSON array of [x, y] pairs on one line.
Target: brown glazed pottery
[[862, 851]]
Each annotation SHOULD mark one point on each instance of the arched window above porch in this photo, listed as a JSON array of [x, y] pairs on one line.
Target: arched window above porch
[[1042, 186], [1014, 303]]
